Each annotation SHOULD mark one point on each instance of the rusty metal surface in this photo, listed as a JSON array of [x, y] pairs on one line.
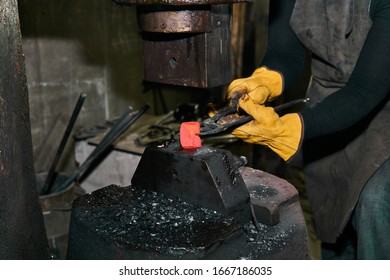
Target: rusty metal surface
[[22, 232], [185, 21], [200, 60], [268, 194], [206, 176], [282, 229], [178, 2]]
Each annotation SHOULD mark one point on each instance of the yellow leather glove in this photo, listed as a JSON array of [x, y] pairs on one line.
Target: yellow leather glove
[[263, 85], [281, 134]]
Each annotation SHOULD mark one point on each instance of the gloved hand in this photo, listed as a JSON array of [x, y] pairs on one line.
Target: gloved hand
[[281, 134], [263, 85]]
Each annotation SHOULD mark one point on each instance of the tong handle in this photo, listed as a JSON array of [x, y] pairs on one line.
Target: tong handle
[[247, 118], [213, 127]]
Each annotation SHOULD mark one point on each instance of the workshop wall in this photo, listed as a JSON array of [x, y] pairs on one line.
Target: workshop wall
[[73, 46], [94, 47]]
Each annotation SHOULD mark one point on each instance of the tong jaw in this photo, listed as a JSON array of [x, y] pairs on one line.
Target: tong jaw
[[223, 119]]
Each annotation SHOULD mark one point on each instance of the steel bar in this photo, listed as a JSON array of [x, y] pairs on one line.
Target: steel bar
[[110, 134], [121, 126], [51, 174], [290, 104]]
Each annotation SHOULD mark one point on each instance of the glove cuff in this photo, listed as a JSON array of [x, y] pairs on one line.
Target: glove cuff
[[290, 140]]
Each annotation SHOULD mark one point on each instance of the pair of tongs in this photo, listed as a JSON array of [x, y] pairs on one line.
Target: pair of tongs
[[227, 118]]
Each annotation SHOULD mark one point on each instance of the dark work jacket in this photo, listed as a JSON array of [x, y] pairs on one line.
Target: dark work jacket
[[338, 166]]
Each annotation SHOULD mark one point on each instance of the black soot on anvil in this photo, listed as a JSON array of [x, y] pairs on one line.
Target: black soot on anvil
[[188, 205], [137, 219]]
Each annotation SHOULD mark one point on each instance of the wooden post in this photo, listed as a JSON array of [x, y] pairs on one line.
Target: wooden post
[[238, 34], [22, 231]]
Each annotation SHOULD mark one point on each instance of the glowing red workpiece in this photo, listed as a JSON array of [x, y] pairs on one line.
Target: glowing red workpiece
[[189, 138]]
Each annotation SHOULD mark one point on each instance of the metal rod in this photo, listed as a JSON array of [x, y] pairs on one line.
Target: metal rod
[[51, 174], [121, 126], [291, 103], [212, 127], [278, 108], [107, 137]]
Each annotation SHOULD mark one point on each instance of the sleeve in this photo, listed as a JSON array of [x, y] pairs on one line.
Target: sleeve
[[367, 87], [284, 52]]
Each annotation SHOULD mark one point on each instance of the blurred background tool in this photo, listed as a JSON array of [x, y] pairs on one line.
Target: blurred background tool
[[52, 172]]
